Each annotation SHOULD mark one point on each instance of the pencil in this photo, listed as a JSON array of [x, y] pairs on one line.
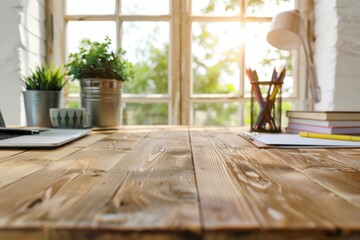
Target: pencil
[[330, 136], [253, 77]]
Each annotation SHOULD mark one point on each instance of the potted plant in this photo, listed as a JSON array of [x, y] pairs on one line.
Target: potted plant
[[101, 72], [43, 91]]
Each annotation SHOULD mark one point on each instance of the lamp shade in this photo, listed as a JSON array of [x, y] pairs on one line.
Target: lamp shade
[[286, 31]]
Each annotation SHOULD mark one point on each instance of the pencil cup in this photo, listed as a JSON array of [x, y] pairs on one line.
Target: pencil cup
[[266, 106]]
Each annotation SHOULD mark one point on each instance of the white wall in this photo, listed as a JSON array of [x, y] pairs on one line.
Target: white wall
[[22, 46], [9, 61], [337, 53], [32, 34]]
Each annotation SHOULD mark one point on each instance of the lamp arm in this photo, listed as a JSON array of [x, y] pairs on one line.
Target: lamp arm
[[311, 76], [314, 83]]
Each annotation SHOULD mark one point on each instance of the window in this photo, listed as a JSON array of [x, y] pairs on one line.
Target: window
[[189, 55]]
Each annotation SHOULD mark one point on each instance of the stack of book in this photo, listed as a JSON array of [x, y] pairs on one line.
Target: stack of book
[[330, 122]]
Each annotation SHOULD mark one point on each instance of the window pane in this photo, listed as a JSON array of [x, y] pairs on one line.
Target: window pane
[[93, 30], [87, 7], [215, 62], [74, 87], [223, 114], [262, 57], [73, 104], [215, 7], [145, 114], [146, 7], [147, 47], [247, 114], [268, 8]]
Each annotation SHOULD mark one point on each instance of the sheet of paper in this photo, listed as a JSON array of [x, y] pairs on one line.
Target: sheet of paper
[[295, 141]]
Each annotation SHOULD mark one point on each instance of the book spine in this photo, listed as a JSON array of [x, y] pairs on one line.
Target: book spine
[[325, 123]]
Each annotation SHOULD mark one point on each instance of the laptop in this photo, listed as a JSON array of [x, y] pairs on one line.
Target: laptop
[[37, 138]]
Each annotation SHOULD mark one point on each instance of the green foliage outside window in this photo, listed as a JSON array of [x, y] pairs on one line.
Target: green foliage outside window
[[151, 76]]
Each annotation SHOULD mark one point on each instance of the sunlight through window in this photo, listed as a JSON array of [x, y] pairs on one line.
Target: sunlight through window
[[189, 55]]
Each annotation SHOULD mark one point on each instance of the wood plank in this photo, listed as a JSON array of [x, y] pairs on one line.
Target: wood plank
[[23, 163], [151, 188], [248, 188], [5, 153], [336, 170], [125, 235], [34, 199], [140, 182], [175, 56], [185, 64], [28, 234], [89, 140], [223, 202], [113, 17], [281, 235], [128, 182]]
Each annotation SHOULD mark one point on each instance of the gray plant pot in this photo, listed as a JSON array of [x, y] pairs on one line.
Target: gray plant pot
[[37, 105], [102, 100]]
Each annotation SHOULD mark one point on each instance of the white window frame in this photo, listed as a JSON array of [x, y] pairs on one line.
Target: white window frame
[[179, 97]]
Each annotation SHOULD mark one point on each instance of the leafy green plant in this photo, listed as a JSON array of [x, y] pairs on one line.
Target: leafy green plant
[[96, 60], [46, 78]]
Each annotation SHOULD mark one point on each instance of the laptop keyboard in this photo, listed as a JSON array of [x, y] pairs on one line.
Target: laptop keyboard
[[6, 136], [6, 133]]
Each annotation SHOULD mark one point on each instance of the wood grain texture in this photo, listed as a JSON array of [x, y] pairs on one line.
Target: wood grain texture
[[138, 180], [249, 187], [24, 234], [53, 189], [280, 235], [4, 153], [124, 235], [334, 170], [223, 203], [23, 163], [40, 174], [170, 182], [150, 187]]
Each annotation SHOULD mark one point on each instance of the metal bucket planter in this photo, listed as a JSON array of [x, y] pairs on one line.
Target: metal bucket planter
[[102, 99], [37, 105]]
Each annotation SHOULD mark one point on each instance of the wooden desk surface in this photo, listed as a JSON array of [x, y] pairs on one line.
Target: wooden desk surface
[[178, 183]]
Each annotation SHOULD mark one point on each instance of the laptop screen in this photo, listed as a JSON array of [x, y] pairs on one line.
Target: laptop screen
[[2, 122]]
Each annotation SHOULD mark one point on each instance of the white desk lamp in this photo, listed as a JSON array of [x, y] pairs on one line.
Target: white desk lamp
[[287, 32]]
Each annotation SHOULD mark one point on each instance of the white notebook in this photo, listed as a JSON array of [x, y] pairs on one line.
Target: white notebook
[[281, 140]]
